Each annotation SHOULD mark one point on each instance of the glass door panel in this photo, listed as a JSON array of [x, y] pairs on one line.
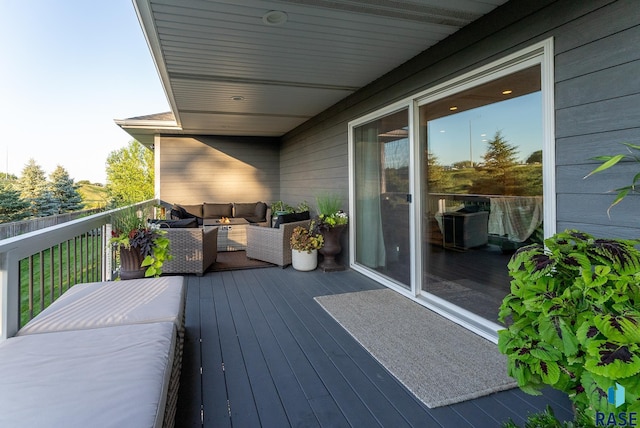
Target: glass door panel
[[482, 188], [381, 156]]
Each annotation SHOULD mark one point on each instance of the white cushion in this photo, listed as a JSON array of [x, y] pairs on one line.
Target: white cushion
[[102, 304], [103, 377]]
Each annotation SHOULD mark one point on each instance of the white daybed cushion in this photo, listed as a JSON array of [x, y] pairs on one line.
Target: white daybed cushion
[[102, 304], [106, 377]]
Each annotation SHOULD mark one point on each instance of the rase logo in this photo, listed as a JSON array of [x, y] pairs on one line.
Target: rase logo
[[615, 396]]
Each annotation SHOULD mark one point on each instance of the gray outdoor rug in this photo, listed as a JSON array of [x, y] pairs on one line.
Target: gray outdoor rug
[[436, 359]]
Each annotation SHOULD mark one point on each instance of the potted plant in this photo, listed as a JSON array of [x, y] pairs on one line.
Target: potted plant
[[330, 223], [304, 248], [143, 247], [573, 319]]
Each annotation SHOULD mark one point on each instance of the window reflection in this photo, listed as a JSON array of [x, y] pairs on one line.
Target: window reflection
[[483, 187]]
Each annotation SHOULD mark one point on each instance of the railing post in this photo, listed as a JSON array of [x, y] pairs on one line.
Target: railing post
[[9, 296], [108, 255]]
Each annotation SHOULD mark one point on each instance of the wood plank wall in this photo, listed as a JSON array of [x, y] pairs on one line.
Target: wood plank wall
[[194, 170], [597, 64]]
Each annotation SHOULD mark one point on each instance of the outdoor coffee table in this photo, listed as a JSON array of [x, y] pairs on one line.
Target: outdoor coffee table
[[232, 236]]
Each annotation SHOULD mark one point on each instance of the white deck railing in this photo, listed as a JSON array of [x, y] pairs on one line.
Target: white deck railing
[[84, 241]]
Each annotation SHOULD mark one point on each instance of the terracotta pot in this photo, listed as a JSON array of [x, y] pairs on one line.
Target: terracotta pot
[[303, 261], [331, 248], [130, 261]]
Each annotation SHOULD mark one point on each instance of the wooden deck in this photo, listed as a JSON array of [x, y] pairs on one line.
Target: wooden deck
[[272, 357]]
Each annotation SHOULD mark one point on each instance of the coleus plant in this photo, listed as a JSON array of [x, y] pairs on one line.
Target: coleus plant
[[573, 320]]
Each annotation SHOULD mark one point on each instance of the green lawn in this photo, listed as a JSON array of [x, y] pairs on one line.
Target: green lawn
[[55, 270]]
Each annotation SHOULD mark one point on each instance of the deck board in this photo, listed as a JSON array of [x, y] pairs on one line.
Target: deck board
[[289, 363]]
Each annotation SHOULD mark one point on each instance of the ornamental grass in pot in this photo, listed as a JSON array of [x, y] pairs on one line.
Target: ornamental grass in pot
[[304, 248], [330, 223]]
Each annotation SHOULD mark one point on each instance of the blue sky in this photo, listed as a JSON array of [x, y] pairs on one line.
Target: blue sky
[[519, 120], [67, 69]]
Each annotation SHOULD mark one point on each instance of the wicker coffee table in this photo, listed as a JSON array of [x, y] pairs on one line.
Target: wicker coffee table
[[232, 236]]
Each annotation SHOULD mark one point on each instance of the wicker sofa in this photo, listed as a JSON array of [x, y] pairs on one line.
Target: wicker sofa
[[193, 249], [271, 244]]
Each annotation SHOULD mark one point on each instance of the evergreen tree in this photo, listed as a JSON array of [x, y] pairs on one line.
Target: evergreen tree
[[497, 176], [500, 154], [34, 190], [12, 208], [64, 191], [130, 174]]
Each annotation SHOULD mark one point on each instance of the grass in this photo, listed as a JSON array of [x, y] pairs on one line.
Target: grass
[[55, 270], [93, 196]]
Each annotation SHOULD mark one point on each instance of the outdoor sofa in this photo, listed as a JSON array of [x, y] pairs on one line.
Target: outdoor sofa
[[104, 354], [253, 212]]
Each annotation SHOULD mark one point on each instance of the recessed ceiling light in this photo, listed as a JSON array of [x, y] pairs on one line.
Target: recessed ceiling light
[[237, 98], [274, 17], [507, 92], [453, 108]]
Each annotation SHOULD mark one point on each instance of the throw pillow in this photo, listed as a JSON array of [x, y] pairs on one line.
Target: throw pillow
[[216, 210]]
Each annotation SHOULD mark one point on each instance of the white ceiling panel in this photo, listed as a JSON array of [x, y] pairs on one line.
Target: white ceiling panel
[[227, 71]]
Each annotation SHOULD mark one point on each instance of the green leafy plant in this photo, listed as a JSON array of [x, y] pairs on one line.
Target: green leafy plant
[[574, 321], [609, 161], [281, 208], [304, 239], [131, 230]]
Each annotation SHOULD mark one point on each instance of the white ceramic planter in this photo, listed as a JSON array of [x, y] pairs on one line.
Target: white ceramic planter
[[301, 260]]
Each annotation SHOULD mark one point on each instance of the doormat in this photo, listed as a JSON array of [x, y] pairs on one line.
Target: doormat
[[236, 260], [440, 362]]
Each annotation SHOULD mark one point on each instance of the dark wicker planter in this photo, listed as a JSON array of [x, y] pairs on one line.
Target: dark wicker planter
[[331, 249], [130, 261]]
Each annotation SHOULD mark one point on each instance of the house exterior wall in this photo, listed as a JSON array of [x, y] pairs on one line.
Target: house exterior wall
[[597, 94], [201, 169]]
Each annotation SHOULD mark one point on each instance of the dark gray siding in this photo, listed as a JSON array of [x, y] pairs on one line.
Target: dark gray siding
[[597, 101], [194, 170]]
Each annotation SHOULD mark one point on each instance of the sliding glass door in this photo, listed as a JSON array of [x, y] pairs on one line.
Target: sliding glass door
[[382, 200], [482, 188], [478, 152]]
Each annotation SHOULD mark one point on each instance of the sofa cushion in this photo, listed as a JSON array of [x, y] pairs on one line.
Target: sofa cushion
[[195, 210], [186, 211], [244, 210], [290, 218], [216, 210], [254, 212], [176, 224]]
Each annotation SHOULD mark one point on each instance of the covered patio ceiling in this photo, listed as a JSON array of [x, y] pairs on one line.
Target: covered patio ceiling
[[263, 67]]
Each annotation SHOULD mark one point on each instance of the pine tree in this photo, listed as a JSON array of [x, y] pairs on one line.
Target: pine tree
[[34, 190], [499, 161], [64, 191], [500, 154], [12, 208]]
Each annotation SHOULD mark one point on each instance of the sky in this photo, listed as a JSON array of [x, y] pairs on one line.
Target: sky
[[458, 137], [68, 68]]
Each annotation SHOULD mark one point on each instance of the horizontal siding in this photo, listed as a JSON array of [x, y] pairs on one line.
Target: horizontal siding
[[219, 169], [597, 93]]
